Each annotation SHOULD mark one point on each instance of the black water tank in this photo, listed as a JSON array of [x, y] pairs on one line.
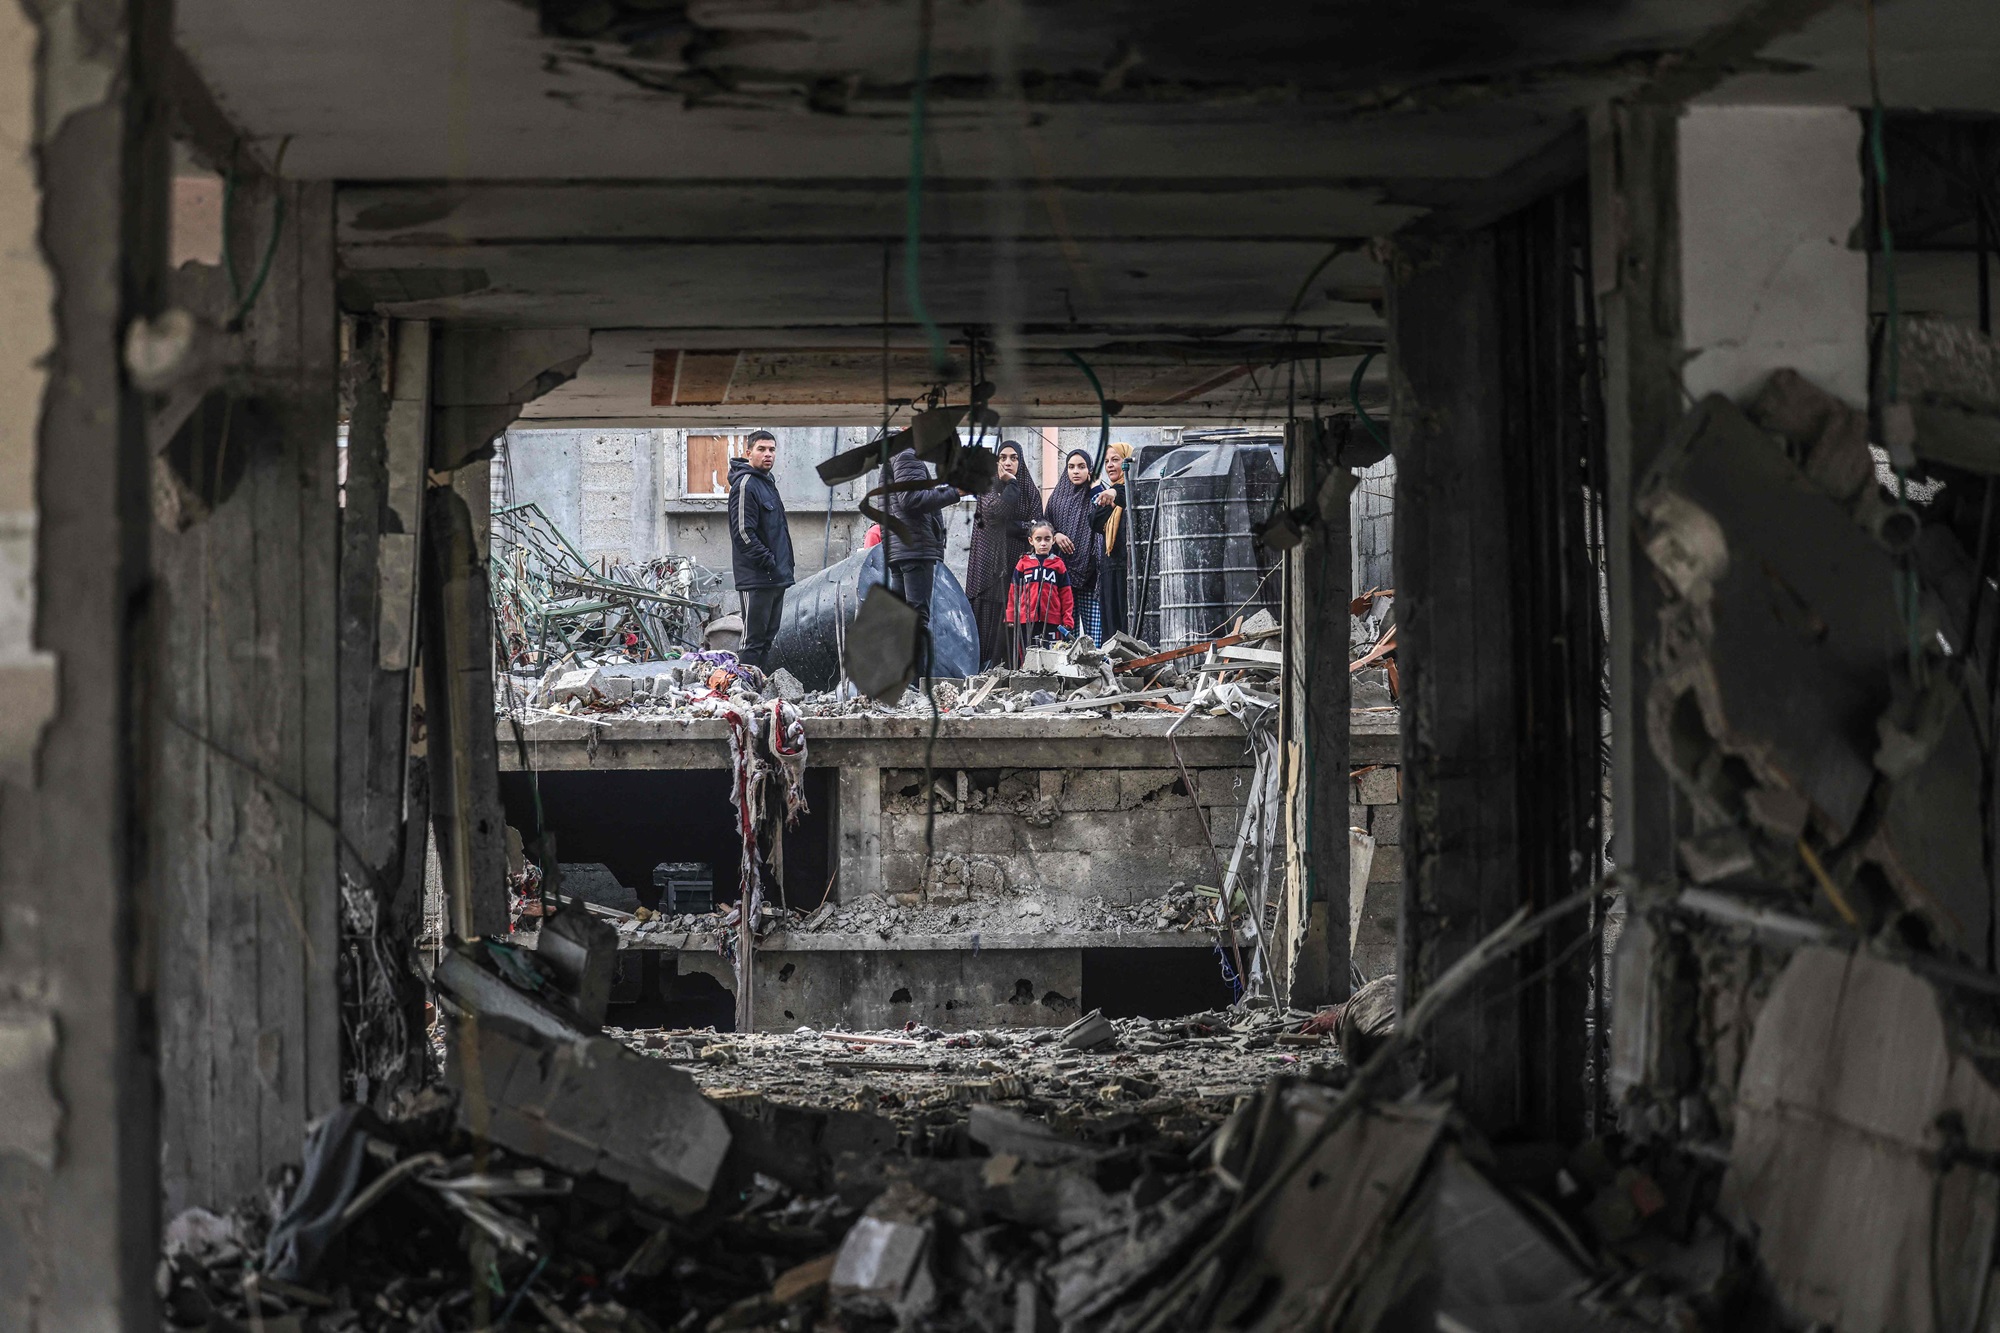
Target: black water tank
[[1205, 568], [808, 647]]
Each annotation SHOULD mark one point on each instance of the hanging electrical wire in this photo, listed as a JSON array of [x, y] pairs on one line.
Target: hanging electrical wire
[[913, 292], [1103, 414], [245, 300]]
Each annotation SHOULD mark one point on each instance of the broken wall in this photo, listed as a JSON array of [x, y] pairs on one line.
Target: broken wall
[[83, 172], [1119, 834]]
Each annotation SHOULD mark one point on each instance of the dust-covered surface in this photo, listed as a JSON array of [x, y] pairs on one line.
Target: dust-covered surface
[[1170, 1078], [1004, 915]]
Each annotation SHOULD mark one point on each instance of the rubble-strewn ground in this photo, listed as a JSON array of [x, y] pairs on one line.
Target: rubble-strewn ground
[[1177, 1077], [1019, 912], [986, 1146]]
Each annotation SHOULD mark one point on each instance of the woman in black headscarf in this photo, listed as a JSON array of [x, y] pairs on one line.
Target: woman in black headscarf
[[1072, 505], [999, 540]]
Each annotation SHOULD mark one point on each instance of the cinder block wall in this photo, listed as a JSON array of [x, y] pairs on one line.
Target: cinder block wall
[[1371, 512], [1120, 834], [1375, 807]]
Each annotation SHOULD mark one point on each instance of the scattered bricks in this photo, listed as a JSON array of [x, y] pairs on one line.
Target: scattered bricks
[[1387, 867], [616, 688], [1379, 786], [949, 881], [1090, 789], [1385, 824]]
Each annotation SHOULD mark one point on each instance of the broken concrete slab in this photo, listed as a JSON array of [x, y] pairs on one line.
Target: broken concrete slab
[[1854, 1078], [1787, 660], [1011, 1134], [463, 985], [884, 1263], [1089, 1032], [589, 1105], [581, 952], [1100, 1265], [1307, 1243]]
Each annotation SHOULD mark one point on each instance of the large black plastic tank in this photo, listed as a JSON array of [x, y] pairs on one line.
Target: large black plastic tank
[[1195, 565], [809, 648]]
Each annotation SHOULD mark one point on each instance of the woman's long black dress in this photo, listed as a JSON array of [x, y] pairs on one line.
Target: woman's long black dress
[[999, 540]]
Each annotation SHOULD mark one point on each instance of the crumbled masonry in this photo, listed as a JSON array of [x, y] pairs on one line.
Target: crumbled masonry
[[1079, 676]]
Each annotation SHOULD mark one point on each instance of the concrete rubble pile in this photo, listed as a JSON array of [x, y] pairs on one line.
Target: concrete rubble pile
[[1805, 1018], [993, 911], [1078, 677], [1226, 1170]]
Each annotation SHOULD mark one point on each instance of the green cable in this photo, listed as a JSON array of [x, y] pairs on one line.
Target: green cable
[[913, 205], [244, 301], [1354, 396], [1103, 413]]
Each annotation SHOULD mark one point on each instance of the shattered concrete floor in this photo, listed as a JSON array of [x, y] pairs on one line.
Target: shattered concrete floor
[[1170, 1079]]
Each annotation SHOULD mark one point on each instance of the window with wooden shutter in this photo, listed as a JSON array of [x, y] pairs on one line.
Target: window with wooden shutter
[[708, 462]]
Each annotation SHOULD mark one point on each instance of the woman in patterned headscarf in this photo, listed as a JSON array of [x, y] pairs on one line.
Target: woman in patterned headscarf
[[999, 540], [1072, 505]]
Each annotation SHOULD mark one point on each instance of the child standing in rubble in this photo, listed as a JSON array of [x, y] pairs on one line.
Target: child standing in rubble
[[1040, 601]]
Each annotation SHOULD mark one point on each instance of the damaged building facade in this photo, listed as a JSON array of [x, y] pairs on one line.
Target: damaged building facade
[[1616, 934]]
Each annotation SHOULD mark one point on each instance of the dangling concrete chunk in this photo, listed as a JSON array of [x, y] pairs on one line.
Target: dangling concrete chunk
[[589, 1105]]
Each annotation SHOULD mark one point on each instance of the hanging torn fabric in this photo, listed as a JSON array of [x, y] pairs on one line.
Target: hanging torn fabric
[[767, 743]]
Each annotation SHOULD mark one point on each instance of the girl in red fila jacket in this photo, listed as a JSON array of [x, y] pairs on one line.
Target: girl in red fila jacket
[[1040, 601]]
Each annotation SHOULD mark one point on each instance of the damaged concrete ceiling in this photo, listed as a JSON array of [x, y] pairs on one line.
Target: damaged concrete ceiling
[[733, 176]]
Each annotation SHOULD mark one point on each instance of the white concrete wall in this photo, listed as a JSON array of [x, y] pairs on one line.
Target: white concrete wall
[[1770, 197]]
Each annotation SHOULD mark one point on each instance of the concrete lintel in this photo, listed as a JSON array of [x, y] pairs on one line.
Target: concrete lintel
[[1005, 741]]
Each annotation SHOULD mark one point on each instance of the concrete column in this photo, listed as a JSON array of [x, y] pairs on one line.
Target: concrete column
[[1317, 696], [859, 809], [82, 236], [1456, 651], [247, 800]]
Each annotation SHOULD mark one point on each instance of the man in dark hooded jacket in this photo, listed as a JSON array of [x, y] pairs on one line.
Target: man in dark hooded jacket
[[912, 563], [760, 546]]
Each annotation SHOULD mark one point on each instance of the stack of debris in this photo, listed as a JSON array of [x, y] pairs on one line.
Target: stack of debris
[[551, 604], [1371, 666], [1078, 677]]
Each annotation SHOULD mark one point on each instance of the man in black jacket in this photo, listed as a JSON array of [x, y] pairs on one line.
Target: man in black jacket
[[912, 565], [760, 546]]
